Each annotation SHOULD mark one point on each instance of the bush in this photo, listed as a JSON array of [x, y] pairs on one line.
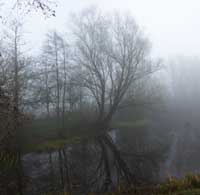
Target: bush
[[190, 181]]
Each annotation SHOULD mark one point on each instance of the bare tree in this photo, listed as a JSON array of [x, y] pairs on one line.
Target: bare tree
[[46, 6], [52, 50], [65, 75], [113, 54], [14, 85]]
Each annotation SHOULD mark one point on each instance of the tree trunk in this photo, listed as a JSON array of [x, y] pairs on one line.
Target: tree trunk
[[64, 89], [16, 115]]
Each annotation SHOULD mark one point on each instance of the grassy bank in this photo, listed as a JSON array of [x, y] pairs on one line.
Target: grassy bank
[[190, 185]]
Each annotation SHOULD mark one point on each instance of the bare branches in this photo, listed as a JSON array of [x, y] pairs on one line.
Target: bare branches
[[46, 6], [113, 54]]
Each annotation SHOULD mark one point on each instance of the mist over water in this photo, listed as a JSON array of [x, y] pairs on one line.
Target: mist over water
[[102, 106], [184, 121]]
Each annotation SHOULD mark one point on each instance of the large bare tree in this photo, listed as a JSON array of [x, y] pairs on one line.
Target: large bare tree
[[113, 54]]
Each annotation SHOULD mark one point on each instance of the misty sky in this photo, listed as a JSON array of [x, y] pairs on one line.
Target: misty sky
[[173, 26]]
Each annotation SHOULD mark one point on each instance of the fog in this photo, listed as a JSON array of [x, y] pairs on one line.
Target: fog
[[172, 26], [99, 97]]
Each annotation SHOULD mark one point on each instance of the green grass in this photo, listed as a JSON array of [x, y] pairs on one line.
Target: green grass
[[184, 192], [190, 185], [130, 125], [43, 133]]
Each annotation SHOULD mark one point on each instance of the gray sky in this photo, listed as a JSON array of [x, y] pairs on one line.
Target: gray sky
[[173, 26]]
